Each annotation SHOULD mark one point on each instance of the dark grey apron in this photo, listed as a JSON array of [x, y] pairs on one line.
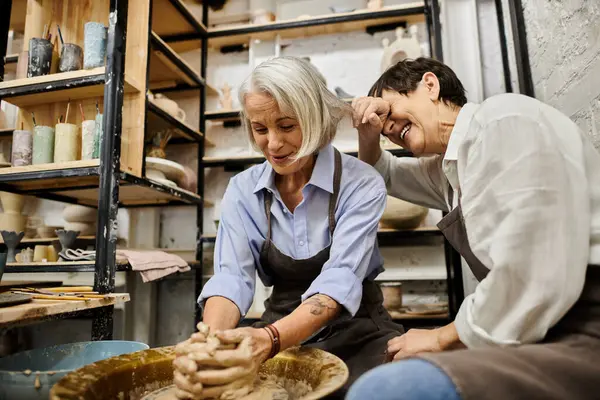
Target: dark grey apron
[[563, 366], [360, 341]]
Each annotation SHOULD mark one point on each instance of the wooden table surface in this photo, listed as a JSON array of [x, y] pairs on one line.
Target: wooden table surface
[[38, 309]]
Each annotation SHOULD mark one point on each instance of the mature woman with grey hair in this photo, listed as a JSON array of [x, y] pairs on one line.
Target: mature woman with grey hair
[[306, 222]]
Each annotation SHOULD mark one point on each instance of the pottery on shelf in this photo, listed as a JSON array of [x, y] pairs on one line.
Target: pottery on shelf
[[26, 255], [13, 222], [159, 143], [392, 295], [12, 203], [164, 171], [11, 240], [402, 48], [77, 213], [84, 228], [66, 238], [226, 101], [170, 106], [400, 214]]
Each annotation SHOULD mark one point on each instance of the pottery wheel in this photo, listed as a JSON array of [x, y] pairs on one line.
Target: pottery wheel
[[13, 299]]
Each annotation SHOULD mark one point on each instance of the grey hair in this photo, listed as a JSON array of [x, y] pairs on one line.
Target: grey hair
[[300, 89]]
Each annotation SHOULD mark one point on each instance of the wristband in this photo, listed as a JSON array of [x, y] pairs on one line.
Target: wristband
[[276, 344]]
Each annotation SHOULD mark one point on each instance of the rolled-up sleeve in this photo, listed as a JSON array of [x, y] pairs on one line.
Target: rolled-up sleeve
[[414, 179], [351, 249], [526, 208], [234, 265]]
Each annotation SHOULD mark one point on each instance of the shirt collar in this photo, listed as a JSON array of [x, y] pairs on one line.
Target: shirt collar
[[322, 175], [461, 127]]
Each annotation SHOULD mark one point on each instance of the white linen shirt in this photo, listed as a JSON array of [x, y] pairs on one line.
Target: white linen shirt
[[530, 194]]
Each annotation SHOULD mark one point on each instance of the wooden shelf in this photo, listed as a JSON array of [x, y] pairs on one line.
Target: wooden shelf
[[294, 28], [75, 183], [173, 17], [159, 119], [42, 309], [168, 69], [248, 160], [59, 87]]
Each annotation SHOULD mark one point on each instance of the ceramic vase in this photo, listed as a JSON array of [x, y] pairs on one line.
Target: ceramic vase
[[11, 240]]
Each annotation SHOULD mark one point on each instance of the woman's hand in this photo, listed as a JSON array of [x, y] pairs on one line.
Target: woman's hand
[[370, 113], [260, 339], [417, 341]]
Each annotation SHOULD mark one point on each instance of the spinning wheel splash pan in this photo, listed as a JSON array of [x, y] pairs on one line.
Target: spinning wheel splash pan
[[133, 376]]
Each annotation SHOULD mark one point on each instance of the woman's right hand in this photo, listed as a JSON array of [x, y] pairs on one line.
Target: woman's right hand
[[370, 113]]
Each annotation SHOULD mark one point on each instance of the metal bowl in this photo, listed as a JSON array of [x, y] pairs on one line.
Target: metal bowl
[[133, 376]]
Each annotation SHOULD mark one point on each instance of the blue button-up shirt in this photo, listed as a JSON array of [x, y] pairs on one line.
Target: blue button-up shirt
[[301, 234]]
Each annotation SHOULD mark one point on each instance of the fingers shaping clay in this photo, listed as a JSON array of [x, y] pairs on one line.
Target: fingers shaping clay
[[205, 368]]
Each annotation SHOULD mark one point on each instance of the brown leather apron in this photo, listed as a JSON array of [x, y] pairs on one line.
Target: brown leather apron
[[565, 365], [360, 341]]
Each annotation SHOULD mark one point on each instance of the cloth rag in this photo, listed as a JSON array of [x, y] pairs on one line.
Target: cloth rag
[[153, 265]]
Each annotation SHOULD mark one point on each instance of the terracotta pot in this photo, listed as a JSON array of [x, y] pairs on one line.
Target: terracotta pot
[[77, 213], [12, 203], [12, 222], [400, 214], [392, 295]]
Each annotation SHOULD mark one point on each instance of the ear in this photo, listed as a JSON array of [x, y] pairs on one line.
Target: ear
[[432, 85]]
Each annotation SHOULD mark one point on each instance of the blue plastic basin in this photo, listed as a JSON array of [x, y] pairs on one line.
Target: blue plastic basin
[[50, 364]]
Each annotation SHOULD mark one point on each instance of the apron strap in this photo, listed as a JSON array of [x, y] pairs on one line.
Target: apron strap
[[268, 202], [337, 178]]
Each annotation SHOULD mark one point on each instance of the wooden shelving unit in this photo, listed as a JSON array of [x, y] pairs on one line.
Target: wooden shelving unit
[[136, 62]]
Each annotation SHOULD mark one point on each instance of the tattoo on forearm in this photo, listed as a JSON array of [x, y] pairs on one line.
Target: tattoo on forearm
[[319, 305]]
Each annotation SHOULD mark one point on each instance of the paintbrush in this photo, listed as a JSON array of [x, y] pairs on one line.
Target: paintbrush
[[97, 108], [60, 35], [44, 32], [82, 114], [67, 115], [33, 118]]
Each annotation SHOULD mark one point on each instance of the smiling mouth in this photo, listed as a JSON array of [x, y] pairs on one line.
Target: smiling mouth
[[405, 130], [280, 159]]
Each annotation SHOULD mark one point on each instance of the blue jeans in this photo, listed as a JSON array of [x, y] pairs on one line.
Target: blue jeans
[[413, 379]]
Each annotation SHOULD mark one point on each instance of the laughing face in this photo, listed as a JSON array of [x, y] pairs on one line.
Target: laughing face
[[414, 120], [277, 134]]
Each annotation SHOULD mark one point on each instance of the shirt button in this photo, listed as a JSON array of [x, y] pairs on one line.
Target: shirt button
[[284, 211], [301, 243]]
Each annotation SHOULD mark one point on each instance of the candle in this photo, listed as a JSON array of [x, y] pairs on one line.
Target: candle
[[88, 139], [66, 145], [98, 136], [43, 144], [95, 37], [21, 148]]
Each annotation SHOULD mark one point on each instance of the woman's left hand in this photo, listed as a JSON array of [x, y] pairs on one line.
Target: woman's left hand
[[413, 342], [261, 341], [417, 341]]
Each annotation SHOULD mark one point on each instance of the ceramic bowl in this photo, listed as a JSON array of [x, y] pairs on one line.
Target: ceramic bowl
[[77, 213], [400, 214]]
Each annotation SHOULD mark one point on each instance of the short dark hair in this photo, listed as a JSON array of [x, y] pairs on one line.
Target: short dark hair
[[406, 75]]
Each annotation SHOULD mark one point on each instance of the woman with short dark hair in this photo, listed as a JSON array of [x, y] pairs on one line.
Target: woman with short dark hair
[[521, 184]]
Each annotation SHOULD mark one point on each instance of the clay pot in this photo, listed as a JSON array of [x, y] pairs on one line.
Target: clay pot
[[170, 106], [12, 222], [12, 203], [400, 214], [77, 213], [392, 295]]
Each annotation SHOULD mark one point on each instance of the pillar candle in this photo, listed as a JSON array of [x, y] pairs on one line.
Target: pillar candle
[[88, 138], [66, 145], [94, 43], [43, 144], [21, 148], [98, 136]]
